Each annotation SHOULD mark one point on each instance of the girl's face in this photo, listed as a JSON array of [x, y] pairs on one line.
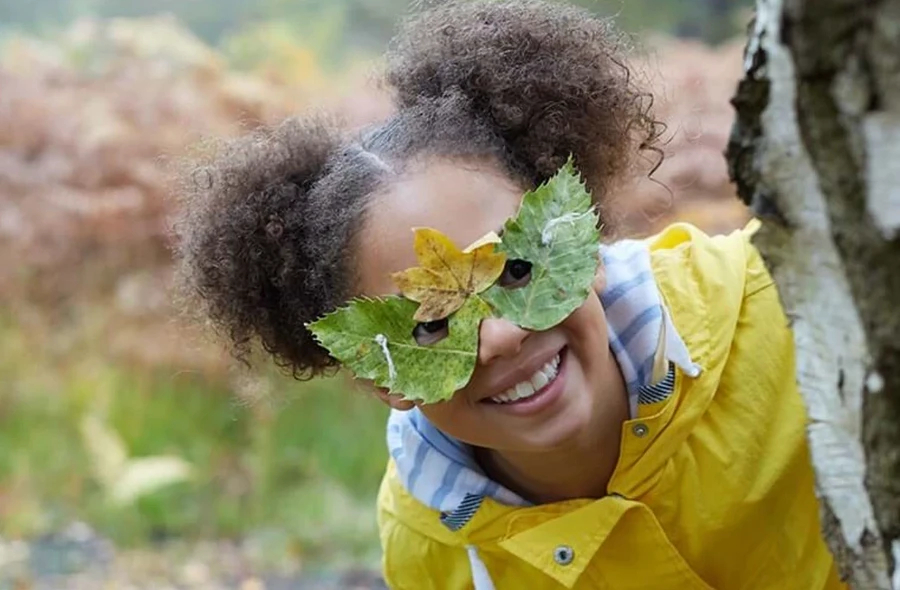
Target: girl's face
[[563, 371]]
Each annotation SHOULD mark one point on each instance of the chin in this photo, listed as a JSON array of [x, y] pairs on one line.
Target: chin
[[566, 426]]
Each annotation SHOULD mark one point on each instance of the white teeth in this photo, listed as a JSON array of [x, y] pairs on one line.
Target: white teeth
[[554, 364], [525, 389], [539, 380]]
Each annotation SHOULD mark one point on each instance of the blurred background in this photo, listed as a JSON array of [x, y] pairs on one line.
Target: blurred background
[[133, 452]]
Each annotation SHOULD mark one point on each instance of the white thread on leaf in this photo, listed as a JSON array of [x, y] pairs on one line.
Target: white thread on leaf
[[382, 341], [547, 233]]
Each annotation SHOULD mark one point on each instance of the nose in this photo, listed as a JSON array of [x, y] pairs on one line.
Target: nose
[[499, 338]]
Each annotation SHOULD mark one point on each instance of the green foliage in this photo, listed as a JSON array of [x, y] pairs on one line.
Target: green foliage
[[250, 463], [126, 479], [296, 46], [363, 25], [556, 231], [374, 339], [710, 20]]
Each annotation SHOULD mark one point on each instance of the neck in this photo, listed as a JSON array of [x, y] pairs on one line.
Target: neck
[[580, 468]]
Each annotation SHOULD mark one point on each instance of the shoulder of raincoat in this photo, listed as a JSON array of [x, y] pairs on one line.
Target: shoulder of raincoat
[[714, 485]]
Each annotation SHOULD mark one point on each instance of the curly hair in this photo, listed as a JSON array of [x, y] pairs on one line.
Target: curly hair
[[550, 79], [267, 234]]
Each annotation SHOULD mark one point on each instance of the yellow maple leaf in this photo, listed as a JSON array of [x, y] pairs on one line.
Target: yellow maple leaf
[[447, 275]]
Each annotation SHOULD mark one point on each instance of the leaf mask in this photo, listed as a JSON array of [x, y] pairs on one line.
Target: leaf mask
[[423, 344]]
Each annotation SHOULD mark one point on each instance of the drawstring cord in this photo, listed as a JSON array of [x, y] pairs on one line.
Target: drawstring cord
[[480, 576]]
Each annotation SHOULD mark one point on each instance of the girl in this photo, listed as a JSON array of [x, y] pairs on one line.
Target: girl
[[651, 437]]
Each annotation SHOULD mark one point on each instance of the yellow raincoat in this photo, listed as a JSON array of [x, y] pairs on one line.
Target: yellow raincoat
[[713, 488]]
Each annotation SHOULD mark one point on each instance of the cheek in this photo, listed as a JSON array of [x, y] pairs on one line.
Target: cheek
[[586, 327], [452, 417]]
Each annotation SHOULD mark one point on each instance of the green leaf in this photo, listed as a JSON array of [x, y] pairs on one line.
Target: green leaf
[[374, 339], [556, 231]]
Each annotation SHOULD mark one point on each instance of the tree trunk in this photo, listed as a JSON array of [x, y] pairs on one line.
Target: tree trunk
[[815, 151]]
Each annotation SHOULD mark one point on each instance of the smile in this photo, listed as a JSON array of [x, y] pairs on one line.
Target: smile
[[524, 390]]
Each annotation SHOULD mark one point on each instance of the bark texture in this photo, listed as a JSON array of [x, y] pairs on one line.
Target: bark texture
[[815, 151]]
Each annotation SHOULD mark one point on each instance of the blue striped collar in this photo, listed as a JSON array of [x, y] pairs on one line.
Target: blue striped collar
[[441, 471]]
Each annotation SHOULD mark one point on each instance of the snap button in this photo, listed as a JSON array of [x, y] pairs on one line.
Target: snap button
[[640, 430], [563, 555]]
